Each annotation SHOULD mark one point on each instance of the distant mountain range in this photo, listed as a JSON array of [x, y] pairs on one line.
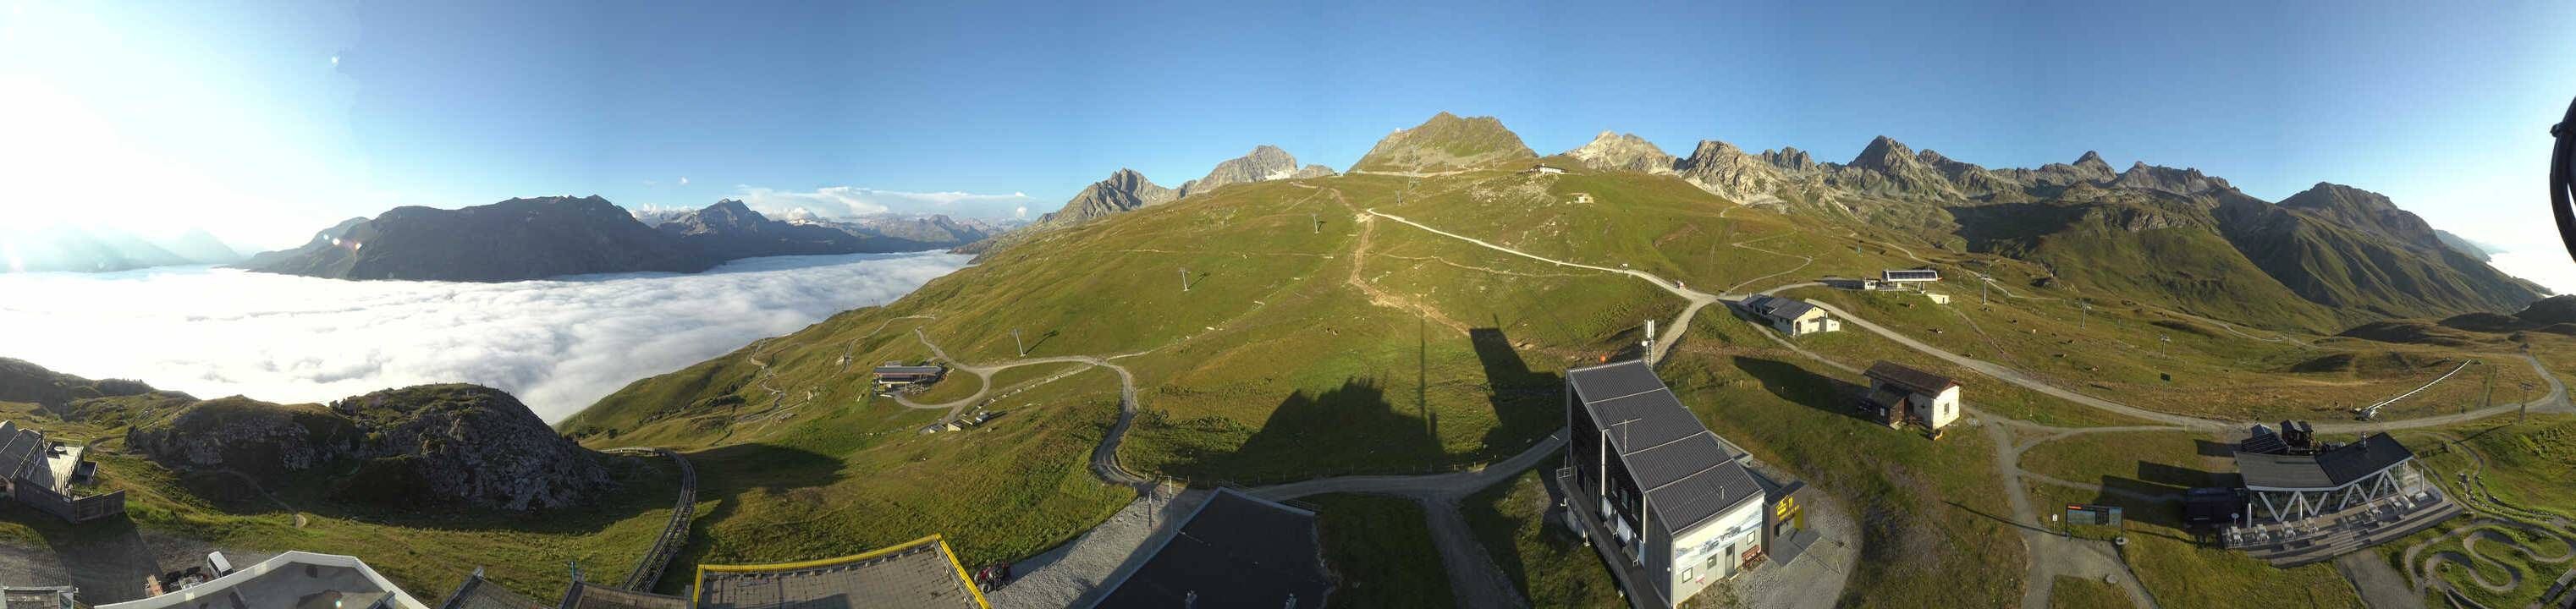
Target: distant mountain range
[[534, 238], [86, 250], [2321, 257]]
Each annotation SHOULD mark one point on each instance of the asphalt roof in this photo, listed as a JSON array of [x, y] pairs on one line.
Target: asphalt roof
[[915, 575], [2326, 470], [1236, 550], [586, 595], [1908, 377], [1687, 472]]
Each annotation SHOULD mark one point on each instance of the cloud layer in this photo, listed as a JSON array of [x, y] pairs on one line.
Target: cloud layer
[[557, 345], [853, 201]]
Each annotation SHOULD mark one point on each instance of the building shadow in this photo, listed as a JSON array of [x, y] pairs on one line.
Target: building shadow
[[1796, 384], [1348, 429], [1527, 403], [107, 559], [2180, 477], [2145, 502], [2208, 448]]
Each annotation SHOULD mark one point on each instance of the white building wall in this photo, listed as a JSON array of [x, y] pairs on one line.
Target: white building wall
[[1724, 538], [1945, 408]]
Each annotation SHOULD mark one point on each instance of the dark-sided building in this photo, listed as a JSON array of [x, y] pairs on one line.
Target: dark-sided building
[[1672, 502]]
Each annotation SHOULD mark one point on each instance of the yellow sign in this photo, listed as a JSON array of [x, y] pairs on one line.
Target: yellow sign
[[1787, 505]]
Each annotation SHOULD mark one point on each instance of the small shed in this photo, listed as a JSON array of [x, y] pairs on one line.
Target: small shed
[[1899, 394]]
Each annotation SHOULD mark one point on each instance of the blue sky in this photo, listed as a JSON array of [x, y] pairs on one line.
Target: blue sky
[[264, 120]]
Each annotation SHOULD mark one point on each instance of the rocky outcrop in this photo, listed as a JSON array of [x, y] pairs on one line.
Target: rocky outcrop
[[1623, 152], [1788, 158], [1723, 169], [1312, 171], [1265, 162], [2185, 182], [1124, 190], [460, 445], [1447, 142]]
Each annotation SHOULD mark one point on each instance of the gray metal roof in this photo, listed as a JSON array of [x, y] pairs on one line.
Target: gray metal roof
[[2325, 470], [1688, 474], [1909, 378], [22, 450], [909, 369], [1776, 307]]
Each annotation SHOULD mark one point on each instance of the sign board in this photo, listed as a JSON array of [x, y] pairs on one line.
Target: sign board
[[2105, 515]]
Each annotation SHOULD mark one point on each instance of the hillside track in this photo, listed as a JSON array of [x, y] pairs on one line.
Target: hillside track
[[649, 569], [2048, 555], [1104, 456]]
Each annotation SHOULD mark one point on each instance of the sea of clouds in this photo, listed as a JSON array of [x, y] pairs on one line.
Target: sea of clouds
[[558, 345]]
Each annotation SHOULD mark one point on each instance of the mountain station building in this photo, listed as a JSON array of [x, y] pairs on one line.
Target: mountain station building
[[1670, 505], [1789, 316], [2307, 502]]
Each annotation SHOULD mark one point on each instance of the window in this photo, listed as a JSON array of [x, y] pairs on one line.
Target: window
[[1712, 560], [1690, 574]]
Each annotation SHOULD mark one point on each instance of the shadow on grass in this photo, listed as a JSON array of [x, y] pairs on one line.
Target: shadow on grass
[[1796, 384], [2148, 502], [1349, 429], [1042, 339], [725, 474], [107, 559], [1999, 518], [2208, 448], [1527, 403]]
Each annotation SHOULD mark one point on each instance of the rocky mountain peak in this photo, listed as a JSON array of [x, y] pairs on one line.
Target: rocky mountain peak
[[1623, 152], [1883, 154], [1125, 189], [1265, 162], [1723, 169], [2092, 161], [1789, 158], [1446, 142]]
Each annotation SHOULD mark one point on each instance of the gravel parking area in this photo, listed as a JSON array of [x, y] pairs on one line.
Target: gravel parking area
[[1815, 580]]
